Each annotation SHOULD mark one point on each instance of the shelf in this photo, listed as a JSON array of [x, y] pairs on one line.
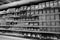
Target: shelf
[[33, 31]]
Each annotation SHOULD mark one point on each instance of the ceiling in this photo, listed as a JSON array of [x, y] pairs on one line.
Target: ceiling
[[7, 1]]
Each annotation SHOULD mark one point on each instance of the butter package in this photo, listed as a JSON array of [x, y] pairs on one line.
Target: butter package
[[21, 8], [28, 8], [40, 12], [31, 24], [48, 17], [49, 29], [48, 23], [48, 11], [36, 24], [36, 6], [52, 11], [47, 4], [40, 23], [36, 12], [44, 29], [51, 4], [52, 17], [32, 12], [32, 7], [55, 3], [44, 11], [53, 29], [43, 17], [56, 10], [56, 17], [40, 18], [53, 24], [57, 23], [25, 7], [44, 23], [58, 3], [41, 28], [40, 6], [43, 5]]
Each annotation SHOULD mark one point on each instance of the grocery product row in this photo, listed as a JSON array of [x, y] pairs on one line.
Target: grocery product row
[[31, 35], [37, 24], [36, 6], [33, 18], [48, 29], [32, 30]]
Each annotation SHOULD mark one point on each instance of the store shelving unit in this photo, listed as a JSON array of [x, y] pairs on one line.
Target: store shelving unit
[[37, 19]]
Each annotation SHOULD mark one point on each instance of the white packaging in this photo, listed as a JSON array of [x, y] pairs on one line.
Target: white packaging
[[51, 4], [47, 4], [59, 3], [55, 3], [36, 6], [32, 7], [40, 6], [36, 12], [32, 12], [43, 5], [31, 24], [25, 7], [35, 24], [28, 8]]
